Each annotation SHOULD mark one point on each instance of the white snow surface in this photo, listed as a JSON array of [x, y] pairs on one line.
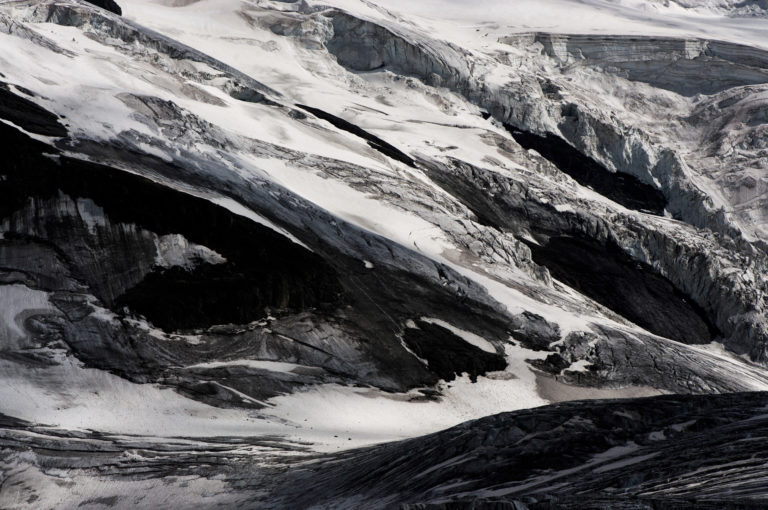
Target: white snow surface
[[467, 336], [330, 416], [481, 22], [362, 416]]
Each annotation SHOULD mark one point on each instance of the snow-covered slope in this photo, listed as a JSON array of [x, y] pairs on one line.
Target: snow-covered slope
[[278, 228], [734, 8]]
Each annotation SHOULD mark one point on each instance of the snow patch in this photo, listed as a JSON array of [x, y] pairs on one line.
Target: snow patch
[[467, 336], [174, 250], [363, 416], [272, 366]]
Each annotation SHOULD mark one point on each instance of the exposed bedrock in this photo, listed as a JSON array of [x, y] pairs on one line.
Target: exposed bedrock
[[661, 453], [355, 334], [447, 62], [27, 114], [373, 141], [448, 355]]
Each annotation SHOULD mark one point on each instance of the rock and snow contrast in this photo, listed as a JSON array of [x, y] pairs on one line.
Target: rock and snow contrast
[[383, 254]]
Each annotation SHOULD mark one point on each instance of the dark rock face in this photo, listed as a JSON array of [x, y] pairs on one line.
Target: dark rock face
[[179, 298], [624, 189], [363, 45], [48, 244], [628, 287], [263, 269], [448, 355], [109, 5], [666, 452], [28, 115]]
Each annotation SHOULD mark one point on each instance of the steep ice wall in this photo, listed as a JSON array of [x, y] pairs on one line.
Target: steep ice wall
[[260, 231], [667, 63], [353, 209], [546, 106]]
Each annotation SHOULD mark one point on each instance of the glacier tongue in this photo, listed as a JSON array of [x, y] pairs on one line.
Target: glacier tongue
[[262, 230]]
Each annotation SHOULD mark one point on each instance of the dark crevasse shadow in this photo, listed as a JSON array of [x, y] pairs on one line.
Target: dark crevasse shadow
[[374, 141], [630, 288], [622, 188], [109, 5], [28, 114], [604, 273], [113, 252], [449, 355]]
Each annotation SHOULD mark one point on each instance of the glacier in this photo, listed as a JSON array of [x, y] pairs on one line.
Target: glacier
[[383, 254]]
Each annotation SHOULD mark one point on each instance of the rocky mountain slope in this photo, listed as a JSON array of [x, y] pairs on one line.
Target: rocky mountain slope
[[238, 238]]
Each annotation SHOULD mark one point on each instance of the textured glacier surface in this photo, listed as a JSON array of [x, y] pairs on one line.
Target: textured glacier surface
[[236, 237]]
